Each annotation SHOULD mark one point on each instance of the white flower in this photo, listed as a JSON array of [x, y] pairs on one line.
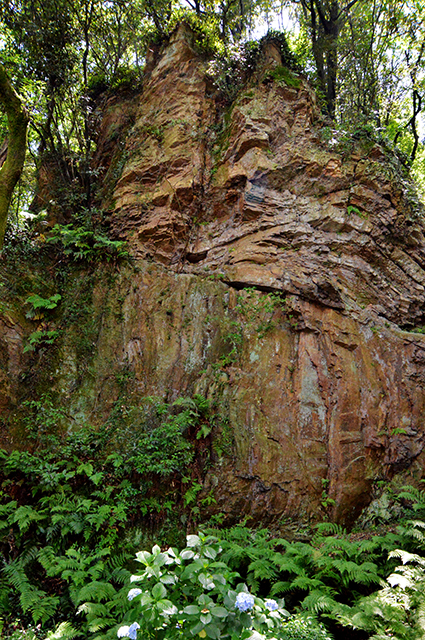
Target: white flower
[[133, 593]]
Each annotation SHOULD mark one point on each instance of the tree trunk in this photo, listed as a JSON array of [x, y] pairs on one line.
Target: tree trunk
[[11, 169]]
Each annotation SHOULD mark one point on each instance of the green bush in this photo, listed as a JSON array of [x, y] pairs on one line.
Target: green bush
[[303, 628], [81, 243], [194, 593]]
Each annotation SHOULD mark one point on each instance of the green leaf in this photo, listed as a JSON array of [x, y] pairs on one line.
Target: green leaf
[[193, 541], [144, 557], [167, 607], [160, 559], [86, 468], [206, 581], [96, 478], [219, 612], [212, 631], [196, 628], [246, 619], [159, 591], [191, 610]]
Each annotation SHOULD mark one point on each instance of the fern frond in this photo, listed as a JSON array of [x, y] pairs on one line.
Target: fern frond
[[305, 584], [45, 608], [48, 560], [262, 569], [281, 587], [93, 609], [318, 602], [406, 557], [330, 528], [101, 623], [64, 631], [96, 591]]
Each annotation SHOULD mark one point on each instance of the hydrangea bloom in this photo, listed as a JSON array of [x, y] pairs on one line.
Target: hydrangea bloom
[[244, 601], [271, 605], [129, 631], [133, 593], [132, 632]]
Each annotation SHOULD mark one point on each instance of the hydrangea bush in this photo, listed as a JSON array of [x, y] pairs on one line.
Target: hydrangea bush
[[192, 593]]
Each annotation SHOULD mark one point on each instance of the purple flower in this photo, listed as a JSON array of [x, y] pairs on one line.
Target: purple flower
[[133, 593], [271, 605], [244, 601]]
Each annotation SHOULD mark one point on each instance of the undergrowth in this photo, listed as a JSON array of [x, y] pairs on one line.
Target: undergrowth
[[78, 504], [72, 507]]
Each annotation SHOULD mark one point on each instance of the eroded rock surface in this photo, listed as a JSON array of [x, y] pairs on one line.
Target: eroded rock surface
[[272, 273]]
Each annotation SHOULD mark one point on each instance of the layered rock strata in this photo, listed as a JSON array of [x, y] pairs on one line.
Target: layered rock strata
[[277, 273]]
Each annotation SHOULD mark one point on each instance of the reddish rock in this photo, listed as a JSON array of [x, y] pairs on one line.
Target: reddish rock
[[324, 382]]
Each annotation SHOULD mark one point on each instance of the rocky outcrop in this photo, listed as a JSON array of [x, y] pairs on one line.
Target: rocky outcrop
[[274, 272]]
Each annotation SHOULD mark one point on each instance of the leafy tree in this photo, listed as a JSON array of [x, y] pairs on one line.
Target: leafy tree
[[324, 20], [11, 169]]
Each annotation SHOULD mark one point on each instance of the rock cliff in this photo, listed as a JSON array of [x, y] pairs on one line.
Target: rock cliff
[[273, 271]]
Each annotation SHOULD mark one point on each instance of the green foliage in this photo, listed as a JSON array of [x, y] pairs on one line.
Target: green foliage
[[301, 627], [206, 30], [161, 438], [67, 536], [71, 509], [71, 513], [258, 309], [231, 70], [355, 210], [397, 609], [39, 305], [37, 338], [322, 577], [193, 592], [284, 77], [80, 243]]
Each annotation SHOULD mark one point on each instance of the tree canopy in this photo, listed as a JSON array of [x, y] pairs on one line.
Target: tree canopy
[[365, 57]]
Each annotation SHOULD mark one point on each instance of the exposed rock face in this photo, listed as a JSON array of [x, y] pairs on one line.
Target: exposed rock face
[[318, 382]]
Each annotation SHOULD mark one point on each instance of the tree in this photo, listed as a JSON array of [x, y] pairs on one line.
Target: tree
[[10, 171], [325, 20]]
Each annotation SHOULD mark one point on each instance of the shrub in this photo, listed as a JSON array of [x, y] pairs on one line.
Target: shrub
[[193, 592]]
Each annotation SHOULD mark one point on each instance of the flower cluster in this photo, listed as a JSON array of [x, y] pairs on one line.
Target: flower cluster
[[129, 632], [271, 605], [133, 593], [244, 601]]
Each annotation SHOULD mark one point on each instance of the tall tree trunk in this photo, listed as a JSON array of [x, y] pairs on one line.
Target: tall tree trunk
[[326, 21], [17, 122]]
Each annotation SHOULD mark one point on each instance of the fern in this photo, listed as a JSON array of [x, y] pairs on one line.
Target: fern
[[330, 528], [96, 591], [319, 602], [64, 631]]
